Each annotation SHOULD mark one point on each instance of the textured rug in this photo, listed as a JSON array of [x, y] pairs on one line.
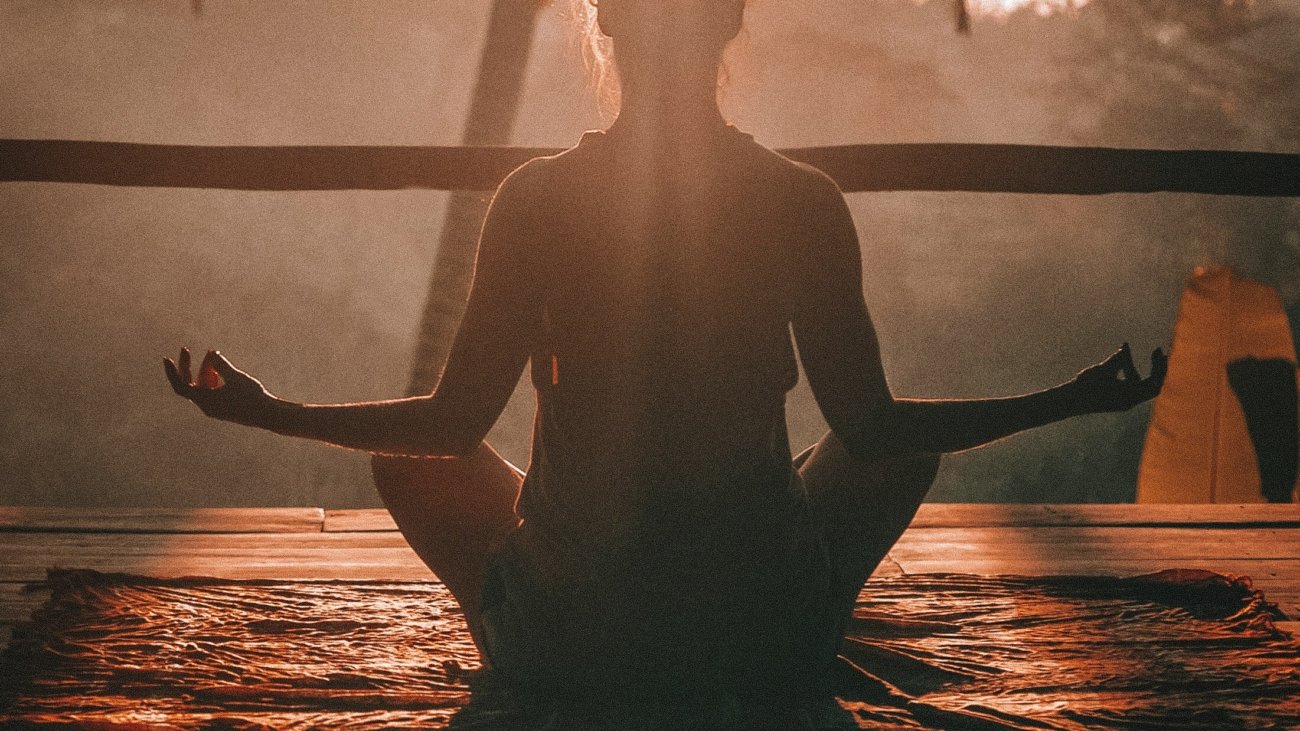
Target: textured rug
[[1179, 649]]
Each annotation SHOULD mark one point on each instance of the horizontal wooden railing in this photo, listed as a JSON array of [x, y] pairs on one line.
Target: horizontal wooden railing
[[857, 168]]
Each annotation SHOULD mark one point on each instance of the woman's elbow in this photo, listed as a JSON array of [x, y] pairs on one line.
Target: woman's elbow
[[880, 435], [447, 430], [428, 446], [447, 445]]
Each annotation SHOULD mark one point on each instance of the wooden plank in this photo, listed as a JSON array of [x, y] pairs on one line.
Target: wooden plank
[[392, 564], [1119, 535], [939, 515], [162, 520], [1101, 541], [38, 542], [374, 519], [395, 564], [26, 556], [1170, 545], [856, 168], [931, 515], [1262, 571], [1028, 540], [1172, 554]]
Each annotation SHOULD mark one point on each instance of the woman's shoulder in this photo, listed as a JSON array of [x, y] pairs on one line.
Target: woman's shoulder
[[546, 172], [811, 178], [795, 176], [596, 151]]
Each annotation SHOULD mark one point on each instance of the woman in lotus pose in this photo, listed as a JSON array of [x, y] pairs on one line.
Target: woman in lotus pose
[[651, 277]]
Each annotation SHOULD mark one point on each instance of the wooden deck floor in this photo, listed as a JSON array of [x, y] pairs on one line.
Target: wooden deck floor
[[1260, 541]]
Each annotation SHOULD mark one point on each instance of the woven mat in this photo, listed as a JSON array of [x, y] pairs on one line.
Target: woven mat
[[1179, 649]]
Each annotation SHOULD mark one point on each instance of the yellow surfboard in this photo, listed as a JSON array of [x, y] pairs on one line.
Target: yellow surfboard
[[1197, 447]]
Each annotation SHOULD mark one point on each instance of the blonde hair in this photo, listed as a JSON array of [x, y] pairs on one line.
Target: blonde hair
[[597, 56]]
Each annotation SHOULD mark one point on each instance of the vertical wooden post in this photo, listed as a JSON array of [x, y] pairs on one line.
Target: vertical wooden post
[[963, 16], [492, 113]]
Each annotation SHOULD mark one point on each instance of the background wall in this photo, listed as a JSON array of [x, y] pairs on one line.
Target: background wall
[[319, 293]]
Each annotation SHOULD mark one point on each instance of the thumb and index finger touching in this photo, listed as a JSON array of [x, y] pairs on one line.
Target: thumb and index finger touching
[[1121, 361], [1159, 369], [214, 371]]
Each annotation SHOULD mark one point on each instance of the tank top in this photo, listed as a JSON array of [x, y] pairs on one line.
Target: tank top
[[664, 530]]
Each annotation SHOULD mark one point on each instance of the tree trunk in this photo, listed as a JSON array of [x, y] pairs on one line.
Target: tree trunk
[[492, 113]]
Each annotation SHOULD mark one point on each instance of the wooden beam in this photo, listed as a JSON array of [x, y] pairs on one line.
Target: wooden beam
[[1171, 545], [26, 556], [1265, 574], [959, 515], [162, 520], [362, 519], [857, 168]]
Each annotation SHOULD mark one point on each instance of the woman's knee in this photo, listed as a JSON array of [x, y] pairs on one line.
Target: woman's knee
[[480, 488], [919, 468], [897, 486], [830, 462], [402, 480], [847, 493]]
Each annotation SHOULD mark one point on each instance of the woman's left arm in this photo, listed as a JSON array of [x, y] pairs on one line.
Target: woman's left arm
[[486, 360], [841, 357]]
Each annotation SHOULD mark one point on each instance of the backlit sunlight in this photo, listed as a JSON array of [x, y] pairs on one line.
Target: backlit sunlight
[[1002, 7]]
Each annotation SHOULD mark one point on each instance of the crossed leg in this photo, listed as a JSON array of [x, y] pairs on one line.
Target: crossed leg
[[862, 508], [452, 512]]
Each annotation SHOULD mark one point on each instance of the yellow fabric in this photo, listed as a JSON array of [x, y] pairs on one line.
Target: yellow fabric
[[1197, 447]]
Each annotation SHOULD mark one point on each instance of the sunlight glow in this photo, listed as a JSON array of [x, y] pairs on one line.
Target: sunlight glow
[[1004, 7]]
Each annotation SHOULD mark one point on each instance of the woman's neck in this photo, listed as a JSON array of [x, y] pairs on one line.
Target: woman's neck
[[665, 113]]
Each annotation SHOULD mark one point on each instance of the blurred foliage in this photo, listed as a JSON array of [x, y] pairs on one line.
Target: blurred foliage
[[1196, 74]]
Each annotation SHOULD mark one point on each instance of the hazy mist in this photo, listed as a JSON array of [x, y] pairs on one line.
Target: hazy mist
[[319, 294]]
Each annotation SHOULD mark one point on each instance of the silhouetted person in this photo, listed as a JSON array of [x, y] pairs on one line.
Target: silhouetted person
[[663, 541]]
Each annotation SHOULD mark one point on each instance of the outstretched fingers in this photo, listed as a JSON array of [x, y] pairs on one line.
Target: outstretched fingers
[[213, 372], [1116, 384], [179, 384], [1126, 365], [178, 374], [1159, 369], [1115, 364]]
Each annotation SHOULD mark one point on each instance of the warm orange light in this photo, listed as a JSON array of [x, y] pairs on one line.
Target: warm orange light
[[1002, 7]]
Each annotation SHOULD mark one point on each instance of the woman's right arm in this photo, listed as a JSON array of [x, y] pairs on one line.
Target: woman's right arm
[[841, 357], [486, 359], [414, 426]]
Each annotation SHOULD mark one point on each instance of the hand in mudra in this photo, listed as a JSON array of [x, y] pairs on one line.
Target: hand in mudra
[[222, 391], [1115, 385]]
